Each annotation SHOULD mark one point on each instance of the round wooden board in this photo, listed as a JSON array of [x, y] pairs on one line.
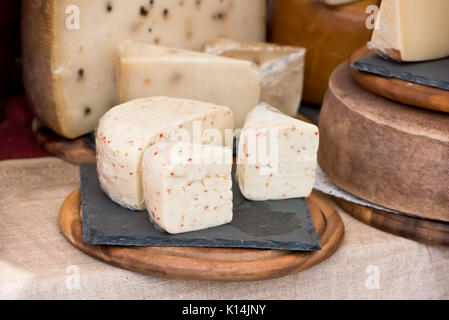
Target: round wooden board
[[76, 151], [430, 232], [214, 264], [410, 93]]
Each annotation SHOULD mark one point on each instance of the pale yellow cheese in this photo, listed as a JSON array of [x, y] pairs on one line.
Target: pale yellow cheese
[[412, 30], [70, 47], [148, 70], [281, 68]]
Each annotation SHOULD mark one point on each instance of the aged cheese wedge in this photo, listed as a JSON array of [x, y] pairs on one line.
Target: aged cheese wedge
[[184, 195], [385, 152], [277, 156], [331, 34], [125, 131], [148, 70], [412, 30], [69, 47], [281, 67]]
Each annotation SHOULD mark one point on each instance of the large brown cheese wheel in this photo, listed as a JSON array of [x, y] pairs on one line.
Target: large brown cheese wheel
[[385, 152], [329, 33]]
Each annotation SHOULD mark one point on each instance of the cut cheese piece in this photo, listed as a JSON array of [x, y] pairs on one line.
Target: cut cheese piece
[[281, 67], [184, 195], [337, 2], [126, 130], [148, 70], [331, 34], [69, 73], [277, 156], [412, 30], [385, 152]]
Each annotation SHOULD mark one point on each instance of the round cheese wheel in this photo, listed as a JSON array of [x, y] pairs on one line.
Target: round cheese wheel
[[385, 152], [329, 33]]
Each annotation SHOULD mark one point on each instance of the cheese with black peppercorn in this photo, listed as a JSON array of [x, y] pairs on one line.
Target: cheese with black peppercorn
[[125, 131], [147, 70], [277, 156], [183, 195], [70, 47]]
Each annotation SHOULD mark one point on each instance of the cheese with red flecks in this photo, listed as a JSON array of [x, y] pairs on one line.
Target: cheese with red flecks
[[187, 187], [125, 131], [277, 156]]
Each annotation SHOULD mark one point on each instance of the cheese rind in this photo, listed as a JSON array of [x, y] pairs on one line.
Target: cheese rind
[[125, 131], [183, 196], [324, 31], [147, 70], [290, 147], [69, 73], [281, 68], [412, 30]]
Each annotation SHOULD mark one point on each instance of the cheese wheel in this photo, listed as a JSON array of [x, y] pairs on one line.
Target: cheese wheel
[[70, 47], [385, 152], [125, 131], [329, 33]]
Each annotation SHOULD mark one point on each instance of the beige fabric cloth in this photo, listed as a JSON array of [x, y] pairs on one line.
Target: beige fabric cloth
[[36, 262]]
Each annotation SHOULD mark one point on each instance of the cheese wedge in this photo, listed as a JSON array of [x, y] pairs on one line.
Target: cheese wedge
[[412, 30], [184, 195], [277, 156], [125, 131], [148, 70], [281, 68], [70, 47]]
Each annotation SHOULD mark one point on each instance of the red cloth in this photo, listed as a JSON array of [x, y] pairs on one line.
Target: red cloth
[[16, 138]]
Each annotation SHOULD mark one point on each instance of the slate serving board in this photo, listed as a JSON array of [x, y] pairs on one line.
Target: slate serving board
[[433, 73], [282, 225]]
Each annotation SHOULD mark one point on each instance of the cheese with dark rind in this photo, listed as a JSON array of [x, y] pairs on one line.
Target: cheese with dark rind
[[69, 74], [385, 152], [329, 33]]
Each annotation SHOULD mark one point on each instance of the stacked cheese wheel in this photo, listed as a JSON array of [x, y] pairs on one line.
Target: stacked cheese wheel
[[383, 151], [152, 153]]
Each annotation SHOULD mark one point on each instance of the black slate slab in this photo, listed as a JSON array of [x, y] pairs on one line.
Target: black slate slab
[[433, 73], [284, 225]]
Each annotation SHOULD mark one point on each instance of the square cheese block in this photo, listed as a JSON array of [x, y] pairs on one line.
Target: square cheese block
[[412, 30], [70, 47], [184, 195], [148, 70], [125, 131], [277, 156], [281, 68]]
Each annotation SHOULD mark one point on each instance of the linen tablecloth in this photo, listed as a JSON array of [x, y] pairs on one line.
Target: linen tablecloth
[[36, 262]]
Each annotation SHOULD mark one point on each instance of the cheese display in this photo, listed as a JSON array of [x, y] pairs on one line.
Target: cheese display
[[125, 131], [412, 30], [184, 195], [385, 152], [148, 70], [329, 33], [70, 47], [277, 156], [281, 68]]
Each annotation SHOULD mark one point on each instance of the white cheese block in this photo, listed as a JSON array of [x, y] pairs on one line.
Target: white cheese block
[[277, 156], [281, 68], [184, 195], [412, 30], [125, 131], [70, 47], [148, 70]]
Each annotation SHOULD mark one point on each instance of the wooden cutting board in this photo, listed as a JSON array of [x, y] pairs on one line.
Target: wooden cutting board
[[410, 93], [430, 232], [210, 263]]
